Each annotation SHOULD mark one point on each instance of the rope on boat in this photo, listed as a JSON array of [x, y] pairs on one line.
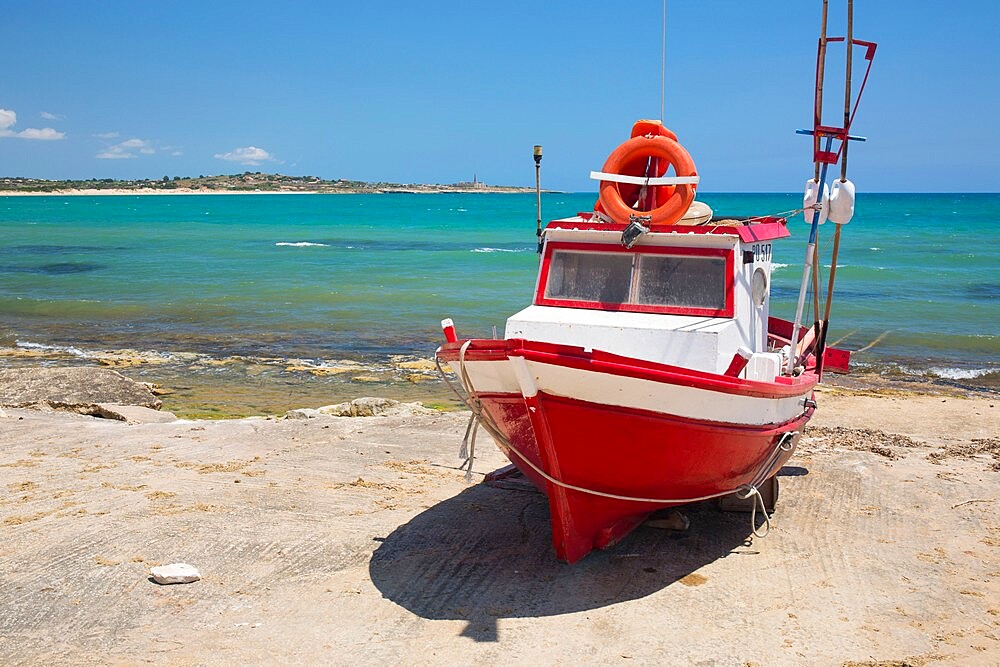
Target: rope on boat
[[751, 491], [467, 452], [479, 416], [783, 214]]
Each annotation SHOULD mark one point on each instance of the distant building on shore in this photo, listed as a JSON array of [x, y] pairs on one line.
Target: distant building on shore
[[475, 184]]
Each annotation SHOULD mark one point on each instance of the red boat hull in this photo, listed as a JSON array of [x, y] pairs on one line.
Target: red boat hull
[[605, 467]]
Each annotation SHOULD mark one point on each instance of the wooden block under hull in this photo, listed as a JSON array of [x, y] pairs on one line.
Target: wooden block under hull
[[768, 492]]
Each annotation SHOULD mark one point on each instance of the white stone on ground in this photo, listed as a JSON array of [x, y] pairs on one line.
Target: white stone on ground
[[175, 573]]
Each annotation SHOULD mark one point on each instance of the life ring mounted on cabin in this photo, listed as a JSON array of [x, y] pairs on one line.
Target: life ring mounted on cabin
[[633, 181]]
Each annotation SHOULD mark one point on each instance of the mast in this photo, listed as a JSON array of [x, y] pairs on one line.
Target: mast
[[814, 216], [821, 344], [819, 202]]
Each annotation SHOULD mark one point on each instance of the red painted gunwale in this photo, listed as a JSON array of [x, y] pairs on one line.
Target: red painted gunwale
[[613, 364], [765, 229]]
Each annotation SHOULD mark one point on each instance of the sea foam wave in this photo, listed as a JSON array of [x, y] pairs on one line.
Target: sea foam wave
[[486, 249], [301, 244], [960, 373], [63, 349], [120, 357]]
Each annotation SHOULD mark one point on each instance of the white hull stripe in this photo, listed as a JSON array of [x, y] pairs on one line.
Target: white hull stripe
[[627, 392]]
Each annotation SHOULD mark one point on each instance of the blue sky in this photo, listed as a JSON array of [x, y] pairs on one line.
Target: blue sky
[[436, 91]]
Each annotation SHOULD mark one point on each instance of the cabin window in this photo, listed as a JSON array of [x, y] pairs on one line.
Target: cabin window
[[589, 276], [682, 281]]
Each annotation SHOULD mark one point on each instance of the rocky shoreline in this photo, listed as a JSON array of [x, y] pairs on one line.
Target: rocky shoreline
[[201, 386], [106, 393], [195, 385]]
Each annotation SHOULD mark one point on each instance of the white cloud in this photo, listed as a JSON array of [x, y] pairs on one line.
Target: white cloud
[[140, 145], [114, 153], [52, 116], [173, 151], [8, 118], [107, 135], [44, 134], [249, 155], [126, 149]]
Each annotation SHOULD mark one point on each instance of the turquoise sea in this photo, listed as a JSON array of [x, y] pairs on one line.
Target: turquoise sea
[[366, 277]]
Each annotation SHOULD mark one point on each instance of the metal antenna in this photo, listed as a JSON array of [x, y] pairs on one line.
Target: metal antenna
[[663, 62], [847, 91]]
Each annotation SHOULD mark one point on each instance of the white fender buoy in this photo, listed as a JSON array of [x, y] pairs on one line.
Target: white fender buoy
[[842, 202], [809, 199]]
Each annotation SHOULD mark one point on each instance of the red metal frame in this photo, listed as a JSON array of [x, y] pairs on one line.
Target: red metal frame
[[726, 311], [839, 133]]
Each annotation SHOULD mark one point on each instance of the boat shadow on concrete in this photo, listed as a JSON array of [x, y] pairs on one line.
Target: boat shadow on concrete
[[486, 554]]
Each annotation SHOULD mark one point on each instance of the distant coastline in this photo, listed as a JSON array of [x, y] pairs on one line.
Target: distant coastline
[[429, 189], [252, 183]]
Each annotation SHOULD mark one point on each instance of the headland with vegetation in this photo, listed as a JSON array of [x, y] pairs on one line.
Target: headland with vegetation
[[243, 183]]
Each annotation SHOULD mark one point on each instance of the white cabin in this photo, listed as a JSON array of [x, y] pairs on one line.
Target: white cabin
[[688, 296]]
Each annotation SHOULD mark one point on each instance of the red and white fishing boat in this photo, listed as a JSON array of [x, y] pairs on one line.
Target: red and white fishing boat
[[647, 372]]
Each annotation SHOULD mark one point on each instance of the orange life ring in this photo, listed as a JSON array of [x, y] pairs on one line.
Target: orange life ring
[[671, 202], [642, 167]]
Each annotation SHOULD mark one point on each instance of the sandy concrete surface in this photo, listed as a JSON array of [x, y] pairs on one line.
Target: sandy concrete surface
[[340, 540]]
